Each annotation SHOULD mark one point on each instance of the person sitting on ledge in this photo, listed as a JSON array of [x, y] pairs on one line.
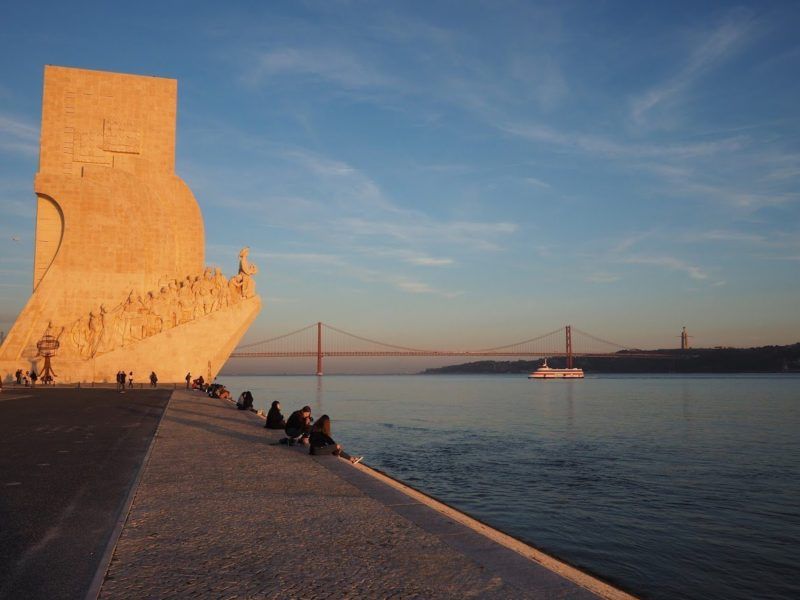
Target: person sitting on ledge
[[274, 417], [245, 401], [322, 443], [299, 425]]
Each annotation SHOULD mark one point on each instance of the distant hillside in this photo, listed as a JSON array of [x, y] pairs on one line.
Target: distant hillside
[[767, 359]]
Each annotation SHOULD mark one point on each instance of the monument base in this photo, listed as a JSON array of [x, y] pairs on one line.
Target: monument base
[[199, 347]]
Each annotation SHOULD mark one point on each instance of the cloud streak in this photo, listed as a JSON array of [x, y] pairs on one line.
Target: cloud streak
[[670, 263], [609, 148], [713, 48], [18, 136], [335, 65]]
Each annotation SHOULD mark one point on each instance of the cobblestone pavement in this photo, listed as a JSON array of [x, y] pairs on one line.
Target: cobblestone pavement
[[222, 512]]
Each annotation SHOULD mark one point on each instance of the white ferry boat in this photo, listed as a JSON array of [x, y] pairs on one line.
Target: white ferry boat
[[545, 372]]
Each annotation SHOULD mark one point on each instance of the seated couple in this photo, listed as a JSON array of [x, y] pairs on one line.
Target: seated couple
[[299, 430]]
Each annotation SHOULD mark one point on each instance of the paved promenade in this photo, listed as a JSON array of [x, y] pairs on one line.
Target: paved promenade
[[221, 512], [68, 458]]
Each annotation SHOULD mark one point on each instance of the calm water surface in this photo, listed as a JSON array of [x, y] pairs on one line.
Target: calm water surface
[[671, 487]]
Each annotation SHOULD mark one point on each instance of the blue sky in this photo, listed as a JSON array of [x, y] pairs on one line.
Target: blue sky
[[460, 174]]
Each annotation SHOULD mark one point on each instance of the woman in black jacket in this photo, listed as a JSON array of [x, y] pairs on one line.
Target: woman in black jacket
[[322, 442], [274, 417]]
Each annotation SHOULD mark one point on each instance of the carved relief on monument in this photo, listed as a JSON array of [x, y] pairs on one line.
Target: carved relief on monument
[[87, 148], [121, 136], [140, 316]]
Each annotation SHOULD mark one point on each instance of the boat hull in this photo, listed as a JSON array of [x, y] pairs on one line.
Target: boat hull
[[557, 374]]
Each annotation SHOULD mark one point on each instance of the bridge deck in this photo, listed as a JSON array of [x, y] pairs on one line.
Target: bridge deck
[[222, 512]]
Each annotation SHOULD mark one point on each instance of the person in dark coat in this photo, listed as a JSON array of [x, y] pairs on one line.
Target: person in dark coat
[[299, 425], [322, 443], [245, 401], [274, 417]]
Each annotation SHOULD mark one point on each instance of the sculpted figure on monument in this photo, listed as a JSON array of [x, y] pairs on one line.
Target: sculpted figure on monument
[[245, 266], [246, 272], [235, 286], [106, 321], [79, 337], [185, 301], [95, 332]]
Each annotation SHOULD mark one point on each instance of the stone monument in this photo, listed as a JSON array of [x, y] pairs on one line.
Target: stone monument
[[119, 276]]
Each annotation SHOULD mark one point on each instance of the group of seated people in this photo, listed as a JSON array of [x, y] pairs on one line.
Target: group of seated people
[[217, 390], [299, 430]]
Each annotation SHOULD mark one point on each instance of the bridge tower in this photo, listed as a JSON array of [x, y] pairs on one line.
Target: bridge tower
[[568, 330], [319, 349]]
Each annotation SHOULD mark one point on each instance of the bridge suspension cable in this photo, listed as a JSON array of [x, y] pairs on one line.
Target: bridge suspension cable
[[600, 340], [523, 342], [276, 338], [371, 341], [309, 341]]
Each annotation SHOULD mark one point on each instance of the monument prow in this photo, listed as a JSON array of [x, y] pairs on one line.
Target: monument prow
[[119, 265]]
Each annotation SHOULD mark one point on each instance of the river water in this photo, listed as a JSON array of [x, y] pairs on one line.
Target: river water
[[668, 486]]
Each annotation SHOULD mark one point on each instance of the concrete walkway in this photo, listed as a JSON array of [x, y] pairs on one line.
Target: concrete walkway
[[221, 512]]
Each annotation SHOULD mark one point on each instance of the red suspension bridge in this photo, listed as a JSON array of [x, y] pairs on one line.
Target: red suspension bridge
[[320, 341]]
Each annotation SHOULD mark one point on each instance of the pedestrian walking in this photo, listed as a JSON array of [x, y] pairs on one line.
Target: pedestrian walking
[[153, 379]]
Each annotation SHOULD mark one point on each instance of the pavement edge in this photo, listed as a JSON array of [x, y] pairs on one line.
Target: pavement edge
[[105, 561], [573, 574]]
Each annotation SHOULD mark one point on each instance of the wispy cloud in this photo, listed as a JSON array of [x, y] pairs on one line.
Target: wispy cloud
[[302, 257], [712, 49], [18, 136], [484, 236], [629, 241], [606, 147], [347, 268], [603, 277], [430, 261], [535, 182], [719, 235], [336, 65], [670, 263]]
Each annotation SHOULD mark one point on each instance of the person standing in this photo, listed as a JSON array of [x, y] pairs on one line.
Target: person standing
[[153, 379], [34, 377], [188, 379], [130, 379]]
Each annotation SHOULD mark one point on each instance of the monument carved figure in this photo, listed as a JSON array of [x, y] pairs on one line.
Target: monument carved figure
[[133, 292]]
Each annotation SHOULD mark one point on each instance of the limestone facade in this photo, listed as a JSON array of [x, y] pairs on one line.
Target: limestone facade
[[119, 273]]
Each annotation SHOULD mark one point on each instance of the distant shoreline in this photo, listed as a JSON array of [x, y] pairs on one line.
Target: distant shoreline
[[766, 359]]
